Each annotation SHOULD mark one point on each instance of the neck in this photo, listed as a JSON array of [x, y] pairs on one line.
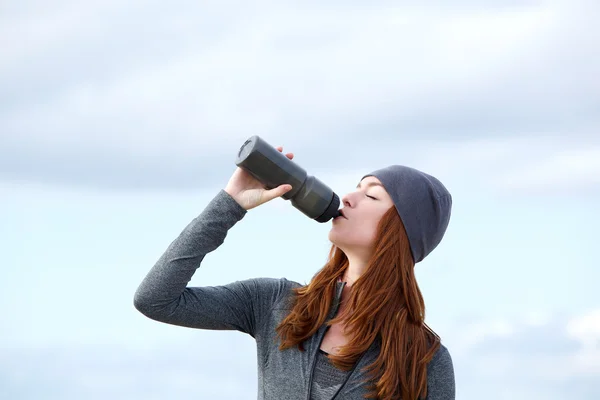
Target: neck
[[353, 272]]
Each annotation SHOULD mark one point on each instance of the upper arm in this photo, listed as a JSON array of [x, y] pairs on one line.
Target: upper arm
[[241, 305], [440, 376]]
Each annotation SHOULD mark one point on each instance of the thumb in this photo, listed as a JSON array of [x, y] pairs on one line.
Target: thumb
[[278, 191]]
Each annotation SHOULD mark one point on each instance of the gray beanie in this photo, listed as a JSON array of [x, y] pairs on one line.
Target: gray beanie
[[423, 203]]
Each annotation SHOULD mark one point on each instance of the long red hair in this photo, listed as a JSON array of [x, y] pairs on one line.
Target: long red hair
[[385, 303]]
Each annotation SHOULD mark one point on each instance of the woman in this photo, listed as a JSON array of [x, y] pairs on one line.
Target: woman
[[357, 329]]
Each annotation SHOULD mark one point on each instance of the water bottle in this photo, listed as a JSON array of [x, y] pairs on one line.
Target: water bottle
[[272, 168]]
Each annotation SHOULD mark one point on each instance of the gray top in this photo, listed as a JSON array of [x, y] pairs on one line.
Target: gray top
[[327, 378], [253, 306]]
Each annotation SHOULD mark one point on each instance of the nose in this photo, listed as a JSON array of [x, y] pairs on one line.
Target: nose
[[346, 199]]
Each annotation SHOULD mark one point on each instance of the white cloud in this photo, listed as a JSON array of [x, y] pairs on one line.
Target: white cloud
[[586, 329], [122, 107], [510, 358], [264, 73], [525, 164], [569, 169], [552, 348], [168, 370]]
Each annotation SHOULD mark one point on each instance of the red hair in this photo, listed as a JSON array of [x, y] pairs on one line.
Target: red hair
[[385, 303]]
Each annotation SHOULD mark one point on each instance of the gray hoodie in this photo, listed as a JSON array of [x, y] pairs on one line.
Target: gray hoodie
[[256, 307]]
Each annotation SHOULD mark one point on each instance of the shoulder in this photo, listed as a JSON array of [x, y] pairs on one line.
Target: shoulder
[[279, 290], [441, 358], [272, 288], [282, 284], [440, 375]]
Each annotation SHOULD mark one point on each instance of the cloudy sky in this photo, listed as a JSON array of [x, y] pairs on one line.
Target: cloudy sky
[[120, 121]]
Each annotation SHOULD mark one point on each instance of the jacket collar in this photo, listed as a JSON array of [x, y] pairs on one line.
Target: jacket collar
[[337, 298]]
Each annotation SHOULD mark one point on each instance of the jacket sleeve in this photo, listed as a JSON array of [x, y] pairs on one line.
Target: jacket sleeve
[[163, 294], [440, 376]]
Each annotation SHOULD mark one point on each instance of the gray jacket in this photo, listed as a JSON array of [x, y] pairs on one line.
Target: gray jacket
[[256, 307]]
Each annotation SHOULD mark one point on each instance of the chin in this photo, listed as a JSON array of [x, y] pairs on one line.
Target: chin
[[332, 238], [335, 240]]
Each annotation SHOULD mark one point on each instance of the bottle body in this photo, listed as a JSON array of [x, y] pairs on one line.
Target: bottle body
[[272, 168]]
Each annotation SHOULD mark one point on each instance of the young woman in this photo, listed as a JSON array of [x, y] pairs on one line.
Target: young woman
[[357, 329]]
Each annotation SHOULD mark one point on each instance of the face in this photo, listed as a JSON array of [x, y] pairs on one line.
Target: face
[[363, 209]]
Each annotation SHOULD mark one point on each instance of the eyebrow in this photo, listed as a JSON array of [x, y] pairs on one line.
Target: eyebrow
[[370, 184]]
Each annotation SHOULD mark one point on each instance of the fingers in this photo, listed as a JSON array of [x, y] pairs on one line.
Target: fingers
[[277, 192], [283, 189], [288, 155]]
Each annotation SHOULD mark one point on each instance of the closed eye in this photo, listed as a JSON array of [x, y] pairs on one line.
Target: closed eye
[[371, 197]]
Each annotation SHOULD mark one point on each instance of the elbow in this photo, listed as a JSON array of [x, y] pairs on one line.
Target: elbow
[[142, 303], [153, 307]]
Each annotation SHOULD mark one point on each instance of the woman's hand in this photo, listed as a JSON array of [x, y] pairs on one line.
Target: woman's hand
[[249, 192]]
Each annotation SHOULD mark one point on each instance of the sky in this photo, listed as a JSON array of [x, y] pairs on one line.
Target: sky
[[119, 122]]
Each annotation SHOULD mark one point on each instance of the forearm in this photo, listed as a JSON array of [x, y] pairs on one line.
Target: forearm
[[158, 295]]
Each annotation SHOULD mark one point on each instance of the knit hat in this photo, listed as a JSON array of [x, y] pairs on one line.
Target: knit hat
[[423, 203]]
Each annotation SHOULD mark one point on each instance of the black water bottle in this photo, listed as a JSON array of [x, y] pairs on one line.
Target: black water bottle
[[272, 168]]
